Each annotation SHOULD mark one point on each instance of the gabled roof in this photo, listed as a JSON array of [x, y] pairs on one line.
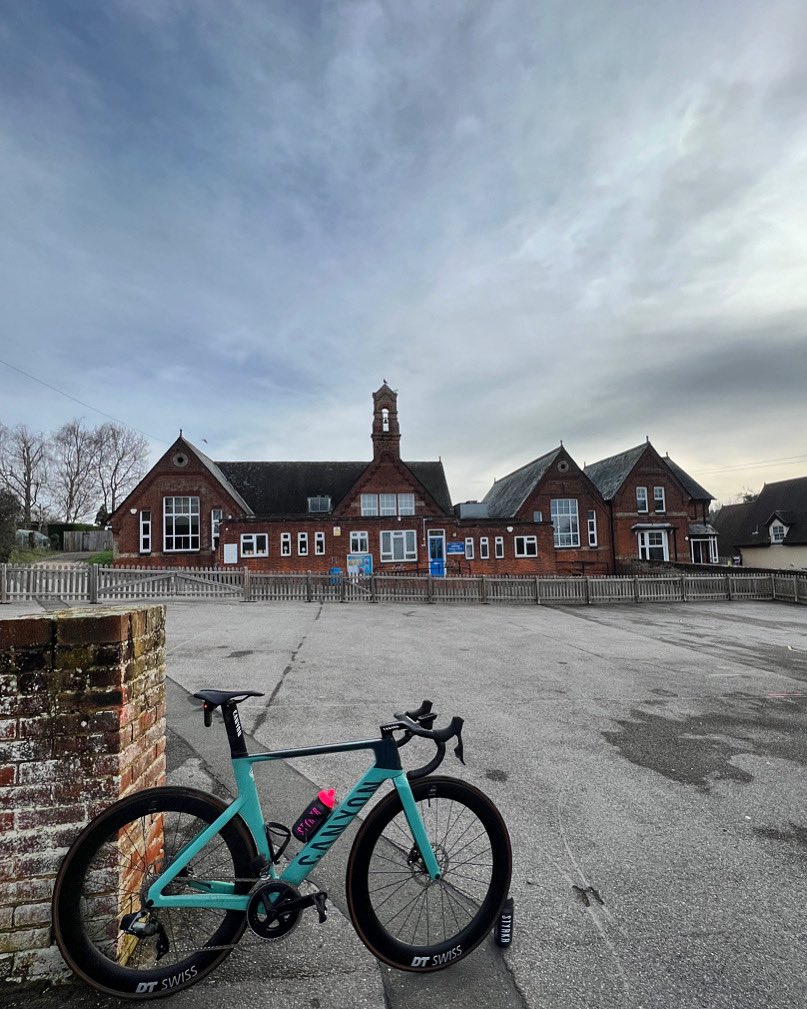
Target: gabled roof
[[433, 477], [747, 525], [283, 488], [215, 470], [507, 495], [609, 474], [692, 487]]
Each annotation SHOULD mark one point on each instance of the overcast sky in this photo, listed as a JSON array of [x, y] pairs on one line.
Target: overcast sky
[[538, 221]]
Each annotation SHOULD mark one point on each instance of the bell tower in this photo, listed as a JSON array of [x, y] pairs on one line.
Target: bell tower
[[386, 433]]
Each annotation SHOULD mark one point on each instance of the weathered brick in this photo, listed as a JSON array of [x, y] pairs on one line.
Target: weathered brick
[[79, 627], [52, 816], [63, 740], [31, 914], [24, 939], [25, 632]]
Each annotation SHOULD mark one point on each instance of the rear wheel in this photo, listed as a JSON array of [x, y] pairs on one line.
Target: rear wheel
[[407, 919], [101, 923]]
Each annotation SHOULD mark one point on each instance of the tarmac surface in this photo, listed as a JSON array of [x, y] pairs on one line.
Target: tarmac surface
[[649, 761]]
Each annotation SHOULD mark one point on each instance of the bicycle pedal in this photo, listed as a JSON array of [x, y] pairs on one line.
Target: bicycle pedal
[[318, 901]]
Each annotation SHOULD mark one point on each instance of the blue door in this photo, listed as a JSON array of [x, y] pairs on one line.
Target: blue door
[[437, 553]]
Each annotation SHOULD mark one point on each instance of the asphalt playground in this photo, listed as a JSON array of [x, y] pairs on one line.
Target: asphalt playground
[[649, 761]]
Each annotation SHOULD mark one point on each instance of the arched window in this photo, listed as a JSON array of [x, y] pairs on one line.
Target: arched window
[[385, 419]]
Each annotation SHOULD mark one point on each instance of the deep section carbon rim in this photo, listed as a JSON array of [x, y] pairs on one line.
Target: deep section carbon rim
[[103, 926], [405, 917]]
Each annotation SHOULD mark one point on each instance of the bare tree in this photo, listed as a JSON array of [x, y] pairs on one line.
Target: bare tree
[[120, 462], [23, 466], [73, 484]]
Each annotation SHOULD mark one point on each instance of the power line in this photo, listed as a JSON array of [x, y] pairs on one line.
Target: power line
[[753, 465], [80, 402]]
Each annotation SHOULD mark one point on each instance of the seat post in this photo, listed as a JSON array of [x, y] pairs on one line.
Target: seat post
[[235, 734]]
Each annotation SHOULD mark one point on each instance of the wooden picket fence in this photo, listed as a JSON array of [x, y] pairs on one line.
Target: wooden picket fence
[[71, 583]]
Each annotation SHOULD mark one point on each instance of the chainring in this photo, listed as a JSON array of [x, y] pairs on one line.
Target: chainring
[[265, 914]]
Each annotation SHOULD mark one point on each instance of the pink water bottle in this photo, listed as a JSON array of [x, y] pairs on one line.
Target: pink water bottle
[[316, 813]]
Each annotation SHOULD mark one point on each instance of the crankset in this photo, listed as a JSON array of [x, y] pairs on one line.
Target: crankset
[[274, 908]]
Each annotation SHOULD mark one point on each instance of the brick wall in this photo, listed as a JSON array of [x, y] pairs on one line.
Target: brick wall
[[82, 722]]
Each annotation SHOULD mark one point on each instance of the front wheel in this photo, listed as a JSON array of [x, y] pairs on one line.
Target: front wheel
[[101, 922], [407, 919]]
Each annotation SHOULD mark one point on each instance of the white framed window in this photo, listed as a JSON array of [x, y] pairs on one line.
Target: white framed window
[[399, 545], [641, 499], [778, 532], [387, 504], [591, 521], [215, 524], [526, 546], [537, 516], [499, 544], [469, 548], [484, 548], [359, 543], [319, 544], [285, 544], [302, 544], [653, 545], [566, 522], [659, 500], [180, 524], [254, 544], [145, 532], [319, 504]]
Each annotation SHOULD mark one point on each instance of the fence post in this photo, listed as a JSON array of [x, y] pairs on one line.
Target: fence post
[[373, 592], [795, 588], [729, 592], [683, 588], [3, 585], [636, 596], [537, 591], [429, 589], [93, 586], [588, 591], [773, 586], [309, 589], [247, 586], [483, 589], [342, 588]]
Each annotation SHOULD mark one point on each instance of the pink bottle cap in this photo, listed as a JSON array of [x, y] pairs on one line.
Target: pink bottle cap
[[327, 797]]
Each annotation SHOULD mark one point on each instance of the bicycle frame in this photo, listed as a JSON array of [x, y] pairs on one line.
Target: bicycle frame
[[220, 895]]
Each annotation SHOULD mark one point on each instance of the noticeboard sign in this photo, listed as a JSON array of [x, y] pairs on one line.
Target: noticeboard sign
[[455, 547], [359, 564]]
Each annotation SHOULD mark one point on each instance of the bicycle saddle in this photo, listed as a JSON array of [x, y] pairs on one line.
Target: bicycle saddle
[[217, 697]]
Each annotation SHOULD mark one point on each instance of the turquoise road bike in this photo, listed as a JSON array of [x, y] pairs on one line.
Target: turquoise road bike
[[159, 888]]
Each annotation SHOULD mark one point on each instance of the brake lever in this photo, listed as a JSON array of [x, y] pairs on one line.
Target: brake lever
[[458, 750]]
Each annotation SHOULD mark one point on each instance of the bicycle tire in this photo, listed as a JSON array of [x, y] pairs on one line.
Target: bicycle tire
[[405, 919], [104, 877]]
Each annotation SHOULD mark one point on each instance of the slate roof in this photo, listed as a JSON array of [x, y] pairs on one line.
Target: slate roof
[[507, 495], [214, 469], [283, 488], [692, 487], [609, 474], [729, 522], [748, 525]]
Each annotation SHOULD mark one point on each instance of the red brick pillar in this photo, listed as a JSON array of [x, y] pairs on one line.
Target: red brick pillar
[[82, 722]]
